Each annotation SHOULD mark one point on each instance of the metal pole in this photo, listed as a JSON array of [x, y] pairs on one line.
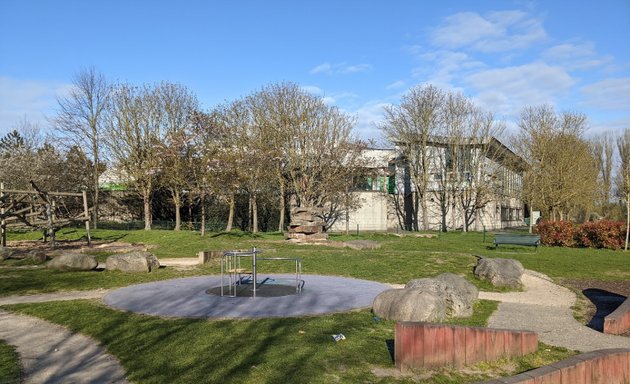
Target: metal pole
[[87, 218], [3, 224], [254, 268]]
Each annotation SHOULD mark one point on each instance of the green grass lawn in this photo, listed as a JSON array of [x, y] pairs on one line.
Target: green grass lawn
[[160, 350]]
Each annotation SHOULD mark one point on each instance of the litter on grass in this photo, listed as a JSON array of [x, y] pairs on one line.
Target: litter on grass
[[339, 337]]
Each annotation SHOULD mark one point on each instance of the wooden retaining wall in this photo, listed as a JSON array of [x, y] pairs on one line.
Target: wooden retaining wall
[[427, 345], [618, 322], [606, 366]]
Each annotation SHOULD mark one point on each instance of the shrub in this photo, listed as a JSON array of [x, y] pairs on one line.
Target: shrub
[[601, 234], [556, 233], [592, 234]]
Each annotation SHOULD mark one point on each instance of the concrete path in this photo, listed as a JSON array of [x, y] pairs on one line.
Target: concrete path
[[545, 307], [51, 354]]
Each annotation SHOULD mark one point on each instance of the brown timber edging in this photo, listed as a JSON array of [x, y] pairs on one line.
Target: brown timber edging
[[606, 366], [428, 345], [618, 322]]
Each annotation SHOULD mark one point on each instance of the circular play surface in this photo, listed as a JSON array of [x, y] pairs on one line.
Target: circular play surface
[[200, 297]]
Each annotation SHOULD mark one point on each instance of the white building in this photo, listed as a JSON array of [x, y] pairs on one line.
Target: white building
[[488, 172]]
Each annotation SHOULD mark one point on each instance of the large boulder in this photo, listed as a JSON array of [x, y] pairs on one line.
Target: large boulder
[[133, 262], [5, 253], [459, 293], [38, 255], [409, 304], [73, 262], [500, 272]]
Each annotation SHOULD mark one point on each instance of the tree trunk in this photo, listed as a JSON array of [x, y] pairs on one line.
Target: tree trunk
[[230, 221], [96, 190], [282, 208], [627, 220], [203, 214], [177, 201], [254, 214], [148, 217], [425, 214]]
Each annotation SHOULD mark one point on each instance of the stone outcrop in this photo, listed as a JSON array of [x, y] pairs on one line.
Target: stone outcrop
[[428, 299], [73, 262], [459, 293], [133, 262], [500, 272], [306, 226], [409, 304]]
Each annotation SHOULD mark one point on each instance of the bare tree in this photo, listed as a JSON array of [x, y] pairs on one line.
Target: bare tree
[[135, 137], [80, 122], [411, 126], [179, 105], [623, 176]]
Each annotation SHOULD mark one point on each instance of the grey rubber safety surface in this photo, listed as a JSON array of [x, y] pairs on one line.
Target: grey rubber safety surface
[[198, 297]]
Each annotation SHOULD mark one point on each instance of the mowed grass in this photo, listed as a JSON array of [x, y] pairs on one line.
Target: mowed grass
[[289, 350], [10, 371], [298, 350], [398, 260]]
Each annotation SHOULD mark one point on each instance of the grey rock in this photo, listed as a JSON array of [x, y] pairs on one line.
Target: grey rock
[[362, 244], [409, 304], [38, 256], [73, 262], [460, 295], [5, 253], [500, 272], [133, 262]]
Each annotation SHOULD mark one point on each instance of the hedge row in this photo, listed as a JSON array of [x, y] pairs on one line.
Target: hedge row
[[592, 234]]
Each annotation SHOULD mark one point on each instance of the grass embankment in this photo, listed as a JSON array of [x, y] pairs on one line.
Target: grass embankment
[[295, 349]]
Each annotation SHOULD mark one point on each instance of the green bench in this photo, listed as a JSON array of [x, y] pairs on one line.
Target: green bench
[[516, 239]]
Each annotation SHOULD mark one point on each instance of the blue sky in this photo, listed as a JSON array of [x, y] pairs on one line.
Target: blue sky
[[358, 55]]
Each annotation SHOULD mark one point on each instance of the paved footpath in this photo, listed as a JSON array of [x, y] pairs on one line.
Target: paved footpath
[[545, 308], [50, 353]]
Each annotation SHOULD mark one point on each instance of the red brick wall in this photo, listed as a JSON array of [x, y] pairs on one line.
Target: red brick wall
[[606, 366], [427, 345], [618, 322]]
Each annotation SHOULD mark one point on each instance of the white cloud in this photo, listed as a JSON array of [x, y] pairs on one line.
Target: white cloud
[[368, 116], [578, 56], [27, 100], [608, 94], [396, 85], [322, 68], [494, 32], [340, 68], [312, 89], [508, 90], [442, 67], [355, 68]]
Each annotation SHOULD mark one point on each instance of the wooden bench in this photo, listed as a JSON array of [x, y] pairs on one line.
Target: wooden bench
[[516, 239]]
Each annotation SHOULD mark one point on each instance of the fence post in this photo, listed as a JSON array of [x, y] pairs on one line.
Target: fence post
[[86, 217]]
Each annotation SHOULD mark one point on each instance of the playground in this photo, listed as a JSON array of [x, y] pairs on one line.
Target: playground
[[289, 346]]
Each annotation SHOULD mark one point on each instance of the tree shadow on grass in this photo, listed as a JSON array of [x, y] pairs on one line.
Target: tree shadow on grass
[[605, 303]]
